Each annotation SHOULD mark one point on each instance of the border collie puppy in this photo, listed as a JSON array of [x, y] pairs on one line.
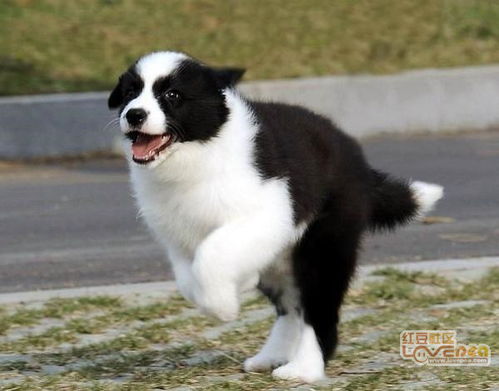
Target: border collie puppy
[[246, 194]]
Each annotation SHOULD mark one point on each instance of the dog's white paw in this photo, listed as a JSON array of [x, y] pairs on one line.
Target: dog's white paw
[[299, 371], [263, 362], [221, 302]]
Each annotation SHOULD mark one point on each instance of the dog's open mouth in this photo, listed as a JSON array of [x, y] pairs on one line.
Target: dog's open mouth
[[147, 147]]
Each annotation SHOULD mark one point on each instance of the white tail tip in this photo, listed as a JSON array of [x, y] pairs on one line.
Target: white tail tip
[[427, 195]]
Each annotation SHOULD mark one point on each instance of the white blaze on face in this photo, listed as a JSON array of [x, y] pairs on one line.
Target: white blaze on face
[[151, 68]]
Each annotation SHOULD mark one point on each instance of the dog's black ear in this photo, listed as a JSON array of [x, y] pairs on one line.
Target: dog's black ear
[[116, 98], [227, 77]]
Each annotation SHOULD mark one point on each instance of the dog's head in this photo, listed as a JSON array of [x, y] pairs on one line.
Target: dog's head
[[168, 97]]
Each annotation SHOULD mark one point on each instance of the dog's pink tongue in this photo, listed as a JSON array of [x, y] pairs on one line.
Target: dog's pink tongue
[[146, 144]]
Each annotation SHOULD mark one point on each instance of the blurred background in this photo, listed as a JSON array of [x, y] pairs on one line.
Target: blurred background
[[60, 46], [415, 81]]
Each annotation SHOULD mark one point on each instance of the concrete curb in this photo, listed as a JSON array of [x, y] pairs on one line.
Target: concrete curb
[[436, 266], [163, 288], [148, 288], [424, 100], [431, 100], [55, 125]]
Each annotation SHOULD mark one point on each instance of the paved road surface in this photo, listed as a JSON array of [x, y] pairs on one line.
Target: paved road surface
[[75, 224]]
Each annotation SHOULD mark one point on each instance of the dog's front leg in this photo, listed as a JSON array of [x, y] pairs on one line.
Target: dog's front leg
[[231, 256]]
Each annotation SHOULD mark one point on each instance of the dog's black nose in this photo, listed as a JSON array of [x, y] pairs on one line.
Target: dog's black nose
[[136, 116]]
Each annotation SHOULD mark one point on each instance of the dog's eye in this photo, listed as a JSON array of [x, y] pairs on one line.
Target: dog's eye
[[129, 93], [172, 95]]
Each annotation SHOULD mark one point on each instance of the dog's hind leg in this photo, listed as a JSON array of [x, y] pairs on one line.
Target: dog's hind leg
[[324, 262], [277, 283], [307, 363], [280, 345]]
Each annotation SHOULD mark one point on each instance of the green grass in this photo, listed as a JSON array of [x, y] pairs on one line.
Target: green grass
[[55, 308], [53, 336], [140, 337], [59, 45], [155, 354], [417, 277], [490, 337]]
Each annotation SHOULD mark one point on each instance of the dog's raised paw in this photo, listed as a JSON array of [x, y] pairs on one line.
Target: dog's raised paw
[[222, 302], [220, 313]]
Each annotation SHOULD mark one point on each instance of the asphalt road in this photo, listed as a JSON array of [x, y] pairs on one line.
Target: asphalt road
[[75, 224]]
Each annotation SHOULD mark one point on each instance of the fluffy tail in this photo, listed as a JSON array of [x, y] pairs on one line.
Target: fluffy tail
[[395, 201]]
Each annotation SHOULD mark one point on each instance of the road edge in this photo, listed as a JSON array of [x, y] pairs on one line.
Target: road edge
[[163, 288], [429, 100]]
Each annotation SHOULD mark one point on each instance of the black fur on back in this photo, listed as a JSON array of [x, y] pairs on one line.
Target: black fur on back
[[334, 190], [317, 158]]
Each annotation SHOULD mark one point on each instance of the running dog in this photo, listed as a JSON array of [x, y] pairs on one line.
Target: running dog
[[244, 194]]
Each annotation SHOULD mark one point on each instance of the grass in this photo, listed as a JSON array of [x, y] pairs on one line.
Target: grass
[[489, 337], [52, 336], [58, 45], [148, 312], [55, 308], [160, 353], [417, 277], [135, 338]]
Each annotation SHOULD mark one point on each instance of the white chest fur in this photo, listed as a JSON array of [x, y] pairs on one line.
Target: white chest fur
[[203, 186], [221, 223]]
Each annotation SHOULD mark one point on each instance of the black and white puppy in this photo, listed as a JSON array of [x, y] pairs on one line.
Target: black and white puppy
[[246, 194]]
